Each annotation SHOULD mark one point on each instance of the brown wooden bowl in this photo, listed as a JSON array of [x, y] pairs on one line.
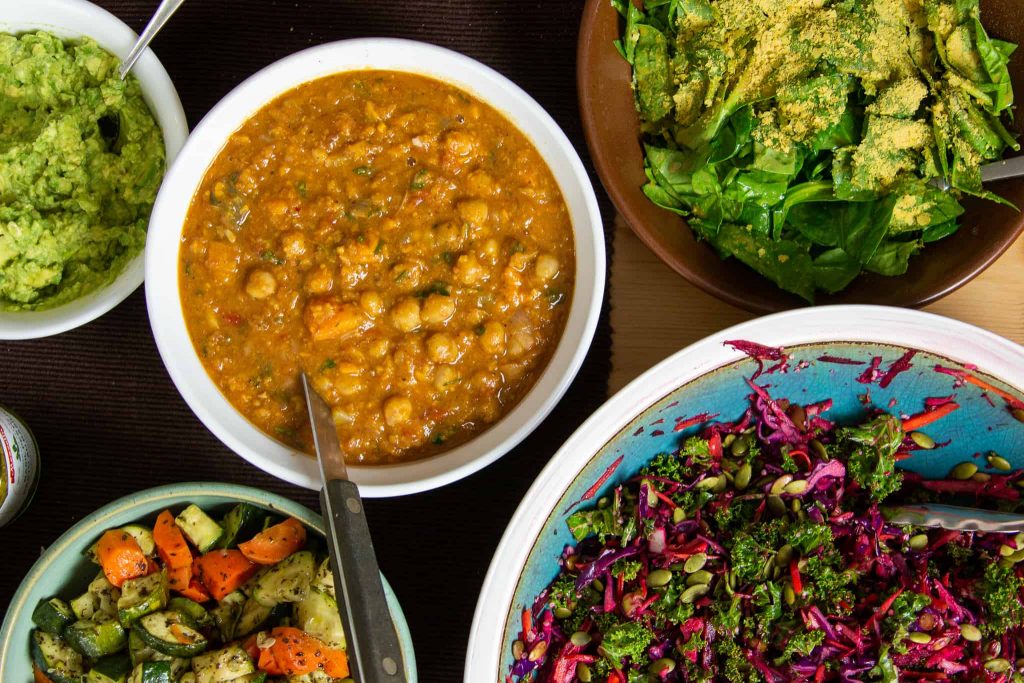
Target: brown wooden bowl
[[613, 135]]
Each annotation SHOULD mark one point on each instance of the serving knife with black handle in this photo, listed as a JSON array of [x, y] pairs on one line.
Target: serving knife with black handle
[[374, 653]]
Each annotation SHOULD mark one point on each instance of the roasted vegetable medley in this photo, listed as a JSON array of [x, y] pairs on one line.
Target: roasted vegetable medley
[[760, 551], [248, 599], [802, 137]]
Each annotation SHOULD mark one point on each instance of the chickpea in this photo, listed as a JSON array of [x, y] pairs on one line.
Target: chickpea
[[397, 411], [293, 244], [260, 284], [405, 315], [459, 144], [493, 338], [474, 211], [378, 349], [546, 267], [480, 183], [448, 234], [488, 381], [441, 348], [444, 377], [320, 281], [438, 309], [371, 303], [491, 250], [468, 270], [277, 207]]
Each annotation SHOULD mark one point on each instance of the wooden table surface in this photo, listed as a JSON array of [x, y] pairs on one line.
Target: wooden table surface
[[644, 332]]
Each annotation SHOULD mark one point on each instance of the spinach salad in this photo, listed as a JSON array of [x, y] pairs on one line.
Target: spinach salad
[[804, 137]]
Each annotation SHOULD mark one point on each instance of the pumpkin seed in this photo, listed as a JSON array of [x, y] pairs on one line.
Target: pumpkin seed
[[918, 542], [784, 555], [678, 515], [964, 470], [919, 637], [604, 502], [583, 673], [742, 478], [562, 613], [970, 632], [701, 577], [998, 665], [780, 484], [662, 666], [598, 585], [923, 440], [580, 638], [796, 487], [799, 416], [740, 446], [819, 449], [659, 578], [788, 594], [538, 651], [776, 505], [999, 462], [981, 477], [518, 648], [708, 482], [693, 593], [695, 563], [727, 440], [1006, 551], [721, 484], [1016, 557]]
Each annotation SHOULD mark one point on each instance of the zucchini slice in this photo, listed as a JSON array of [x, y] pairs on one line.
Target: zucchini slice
[[151, 672], [286, 581], [142, 596], [324, 579], [100, 598], [317, 614], [220, 666], [142, 536], [52, 615], [203, 532], [253, 616], [112, 669], [191, 610], [140, 652], [55, 658], [240, 524], [167, 633], [225, 614], [96, 639]]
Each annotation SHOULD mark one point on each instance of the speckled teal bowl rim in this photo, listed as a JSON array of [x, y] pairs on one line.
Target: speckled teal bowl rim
[[173, 494]]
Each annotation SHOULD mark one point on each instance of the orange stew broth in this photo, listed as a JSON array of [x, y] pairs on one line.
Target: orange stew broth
[[395, 238]]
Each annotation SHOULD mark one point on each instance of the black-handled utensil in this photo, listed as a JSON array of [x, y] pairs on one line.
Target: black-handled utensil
[[374, 653]]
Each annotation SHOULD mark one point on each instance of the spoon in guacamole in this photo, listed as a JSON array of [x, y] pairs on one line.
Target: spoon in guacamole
[[160, 17]]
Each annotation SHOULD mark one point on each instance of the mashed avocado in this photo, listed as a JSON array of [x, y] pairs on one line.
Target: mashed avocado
[[81, 159]]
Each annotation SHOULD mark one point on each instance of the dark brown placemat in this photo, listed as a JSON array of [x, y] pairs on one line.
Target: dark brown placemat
[[108, 419]]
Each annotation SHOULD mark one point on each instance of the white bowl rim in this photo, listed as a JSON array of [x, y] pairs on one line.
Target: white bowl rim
[[167, 321], [839, 323], [62, 17], [235, 492]]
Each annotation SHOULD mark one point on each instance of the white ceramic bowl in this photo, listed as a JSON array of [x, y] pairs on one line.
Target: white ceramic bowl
[[165, 311], [74, 19], [708, 374]]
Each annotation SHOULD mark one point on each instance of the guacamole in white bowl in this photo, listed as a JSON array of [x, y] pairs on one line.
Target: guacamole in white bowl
[[81, 159]]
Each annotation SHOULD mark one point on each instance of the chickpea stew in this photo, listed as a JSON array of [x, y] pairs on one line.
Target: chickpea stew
[[396, 239]]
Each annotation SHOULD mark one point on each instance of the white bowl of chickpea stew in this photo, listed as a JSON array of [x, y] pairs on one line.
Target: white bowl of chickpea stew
[[398, 221]]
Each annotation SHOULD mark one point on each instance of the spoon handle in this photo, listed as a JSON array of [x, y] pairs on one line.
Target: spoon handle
[[160, 17], [1001, 170]]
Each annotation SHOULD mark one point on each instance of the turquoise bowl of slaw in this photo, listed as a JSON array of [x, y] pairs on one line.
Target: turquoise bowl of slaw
[[829, 354], [63, 570]]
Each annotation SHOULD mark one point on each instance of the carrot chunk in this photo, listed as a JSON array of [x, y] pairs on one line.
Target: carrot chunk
[[222, 571], [295, 653], [195, 591], [170, 542], [272, 545], [120, 557], [38, 675]]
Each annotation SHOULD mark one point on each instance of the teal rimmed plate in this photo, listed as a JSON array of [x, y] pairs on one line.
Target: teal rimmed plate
[[63, 570], [830, 352]]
